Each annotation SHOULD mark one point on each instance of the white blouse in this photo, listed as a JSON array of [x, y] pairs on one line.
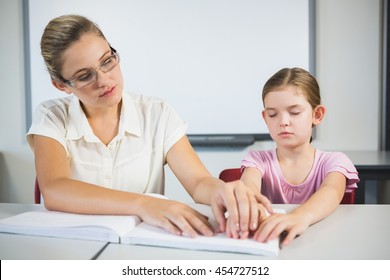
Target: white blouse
[[133, 161]]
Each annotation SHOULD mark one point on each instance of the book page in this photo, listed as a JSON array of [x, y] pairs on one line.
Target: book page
[[145, 234], [67, 225]]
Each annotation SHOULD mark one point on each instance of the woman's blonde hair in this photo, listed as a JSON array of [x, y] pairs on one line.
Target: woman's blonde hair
[[296, 77], [59, 34]]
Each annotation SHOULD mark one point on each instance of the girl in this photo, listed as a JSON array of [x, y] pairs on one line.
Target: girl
[[296, 172], [100, 150]]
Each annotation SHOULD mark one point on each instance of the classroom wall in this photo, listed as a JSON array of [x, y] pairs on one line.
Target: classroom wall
[[348, 70], [16, 161]]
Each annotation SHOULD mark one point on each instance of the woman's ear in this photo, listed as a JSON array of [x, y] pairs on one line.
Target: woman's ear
[[61, 86], [318, 114]]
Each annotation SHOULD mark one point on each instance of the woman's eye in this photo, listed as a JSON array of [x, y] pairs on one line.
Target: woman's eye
[[85, 77], [107, 61], [295, 113]]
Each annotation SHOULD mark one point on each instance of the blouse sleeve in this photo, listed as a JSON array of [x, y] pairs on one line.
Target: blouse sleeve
[[339, 162], [256, 159], [175, 127], [49, 121]]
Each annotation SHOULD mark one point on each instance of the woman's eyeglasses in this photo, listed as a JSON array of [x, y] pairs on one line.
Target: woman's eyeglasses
[[90, 76]]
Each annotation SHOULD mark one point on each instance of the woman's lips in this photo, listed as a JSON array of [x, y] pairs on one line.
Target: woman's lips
[[108, 92]]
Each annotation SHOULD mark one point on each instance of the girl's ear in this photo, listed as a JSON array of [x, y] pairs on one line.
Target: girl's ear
[[61, 86], [318, 114], [263, 114]]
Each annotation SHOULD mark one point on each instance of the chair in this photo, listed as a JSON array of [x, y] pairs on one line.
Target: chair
[[231, 174], [37, 192]]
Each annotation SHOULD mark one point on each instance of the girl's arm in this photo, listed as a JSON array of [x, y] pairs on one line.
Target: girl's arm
[[320, 205], [62, 193], [252, 178]]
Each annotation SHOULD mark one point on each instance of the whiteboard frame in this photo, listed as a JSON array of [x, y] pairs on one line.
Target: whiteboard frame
[[198, 138]]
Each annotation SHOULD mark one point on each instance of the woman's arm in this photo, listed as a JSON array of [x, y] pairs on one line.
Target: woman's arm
[[251, 179], [62, 193], [320, 205], [194, 176], [233, 197]]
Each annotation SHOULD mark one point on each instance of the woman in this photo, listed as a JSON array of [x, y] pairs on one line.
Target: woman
[[100, 150]]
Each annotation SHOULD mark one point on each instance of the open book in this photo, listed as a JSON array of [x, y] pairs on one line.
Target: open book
[[127, 230]]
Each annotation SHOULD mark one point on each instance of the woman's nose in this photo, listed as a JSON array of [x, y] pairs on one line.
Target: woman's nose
[[102, 78]]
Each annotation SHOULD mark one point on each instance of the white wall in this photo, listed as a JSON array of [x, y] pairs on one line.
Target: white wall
[[16, 162], [348, 70], [349, 73]]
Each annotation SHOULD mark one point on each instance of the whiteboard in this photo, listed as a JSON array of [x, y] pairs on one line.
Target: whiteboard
[[209, 59]]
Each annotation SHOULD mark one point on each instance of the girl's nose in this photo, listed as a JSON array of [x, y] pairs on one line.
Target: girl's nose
[[284, 121], [283, 124]]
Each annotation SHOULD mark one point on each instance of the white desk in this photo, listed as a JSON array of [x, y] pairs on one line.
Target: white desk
[[352, 232], [17, 247]]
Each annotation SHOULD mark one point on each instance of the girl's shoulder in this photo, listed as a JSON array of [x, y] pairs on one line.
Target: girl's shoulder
[[337, 162], [332, 157], [261, 156], [263, 153]]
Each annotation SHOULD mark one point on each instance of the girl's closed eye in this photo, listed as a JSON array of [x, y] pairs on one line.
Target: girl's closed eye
[[295, 113], [271, 113]]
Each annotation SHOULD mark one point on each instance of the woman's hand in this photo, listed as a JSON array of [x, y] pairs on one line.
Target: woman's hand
[[175, 217], [242, 206]]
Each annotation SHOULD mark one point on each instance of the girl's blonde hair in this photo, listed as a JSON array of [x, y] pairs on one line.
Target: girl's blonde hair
[[297, 77], [59, 34]]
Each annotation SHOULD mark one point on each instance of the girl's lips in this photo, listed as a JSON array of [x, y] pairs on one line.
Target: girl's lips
[[285, 133]]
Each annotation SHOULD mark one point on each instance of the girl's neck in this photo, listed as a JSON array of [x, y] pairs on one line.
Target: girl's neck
[[304, 152], [296, 164]]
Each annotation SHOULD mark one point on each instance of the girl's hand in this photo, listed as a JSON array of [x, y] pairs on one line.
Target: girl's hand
[[288, 226], [320, 205], [175, 217], [241, 204]]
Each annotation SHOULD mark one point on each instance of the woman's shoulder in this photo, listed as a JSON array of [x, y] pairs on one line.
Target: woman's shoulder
[[143, 100], [155, 106], [50, 119], [56, 105]]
